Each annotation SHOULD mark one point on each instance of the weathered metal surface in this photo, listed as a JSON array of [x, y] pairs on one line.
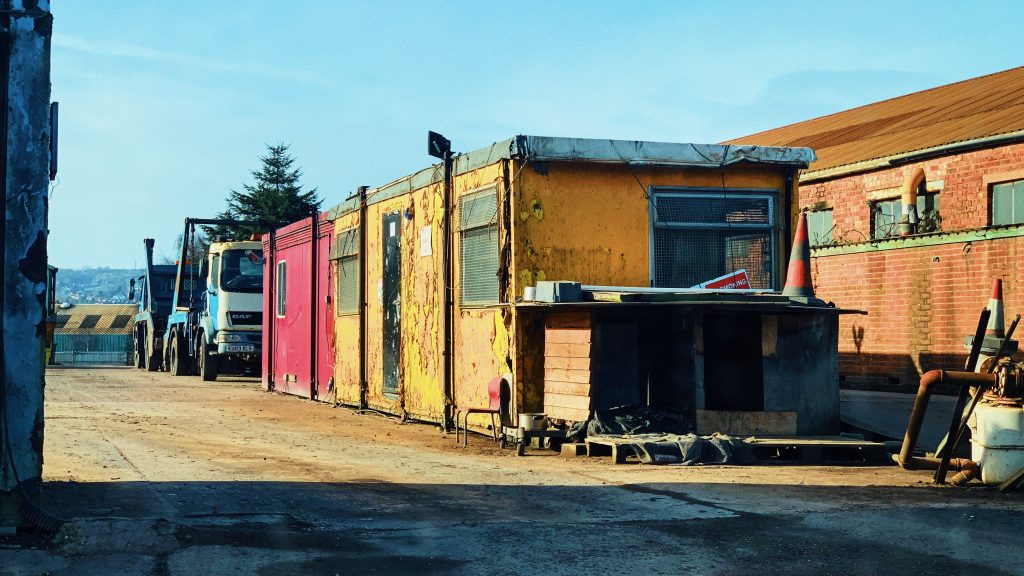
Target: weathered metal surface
[[969, 110], [24, 264], [636, 153]]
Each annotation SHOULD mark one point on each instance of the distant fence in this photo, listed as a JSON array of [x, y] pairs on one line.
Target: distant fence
[[93, 349]]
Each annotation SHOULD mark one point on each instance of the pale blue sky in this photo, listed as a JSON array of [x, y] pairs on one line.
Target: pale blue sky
[[166, 106]]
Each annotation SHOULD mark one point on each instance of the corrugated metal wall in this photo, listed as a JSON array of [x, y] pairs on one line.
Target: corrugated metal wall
[[93, 349]]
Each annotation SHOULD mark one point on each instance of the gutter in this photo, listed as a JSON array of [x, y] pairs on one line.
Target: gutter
[[915, 156]]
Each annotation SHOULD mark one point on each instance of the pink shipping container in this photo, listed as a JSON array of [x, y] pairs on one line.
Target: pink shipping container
[[298, 319]]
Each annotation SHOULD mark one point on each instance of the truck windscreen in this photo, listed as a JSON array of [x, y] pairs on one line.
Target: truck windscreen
[[242, 271]]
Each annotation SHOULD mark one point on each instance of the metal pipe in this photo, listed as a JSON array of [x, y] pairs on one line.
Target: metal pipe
[[924, 392], [908, 197], [363, 383], [449, 332]]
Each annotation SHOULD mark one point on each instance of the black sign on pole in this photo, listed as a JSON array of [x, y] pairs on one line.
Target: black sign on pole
[[438, 146]]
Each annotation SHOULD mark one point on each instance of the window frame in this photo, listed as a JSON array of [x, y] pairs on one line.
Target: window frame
[[281, 289], [1014, 185], [772, 227], [492, 224], [340, 257]]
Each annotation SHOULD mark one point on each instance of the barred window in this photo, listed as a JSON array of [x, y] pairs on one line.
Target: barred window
[[478, 226], [345, 252], [700, 234]]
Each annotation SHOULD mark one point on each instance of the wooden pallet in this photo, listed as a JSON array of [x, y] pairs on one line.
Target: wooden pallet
[[807, 449], [816, 449]]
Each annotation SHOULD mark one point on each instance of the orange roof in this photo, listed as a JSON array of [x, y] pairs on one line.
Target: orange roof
[[985, 106]]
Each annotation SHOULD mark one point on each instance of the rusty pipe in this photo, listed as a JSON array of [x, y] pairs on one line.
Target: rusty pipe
[[924, 393], [908, 198], [967, 469]]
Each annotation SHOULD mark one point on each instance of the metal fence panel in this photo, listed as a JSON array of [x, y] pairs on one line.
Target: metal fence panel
[[90, 349]]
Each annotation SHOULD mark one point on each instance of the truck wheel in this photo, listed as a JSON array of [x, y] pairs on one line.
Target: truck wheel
[[140, 350], [153, 359], [207, 364], [179, 365]]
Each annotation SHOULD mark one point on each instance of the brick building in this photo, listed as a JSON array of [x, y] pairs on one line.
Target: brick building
[[956, 155]]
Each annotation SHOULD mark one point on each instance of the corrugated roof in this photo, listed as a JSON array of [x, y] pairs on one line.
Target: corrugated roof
[[961, 112], [96, 319]]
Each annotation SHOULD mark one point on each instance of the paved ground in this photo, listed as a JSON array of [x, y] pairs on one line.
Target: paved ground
[[172, 476]]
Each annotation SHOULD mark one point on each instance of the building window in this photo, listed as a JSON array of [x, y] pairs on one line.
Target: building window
[[478, 265], [90, 321], [820, 227], [700, 234], [886, 215], [282, 285], [346, 253], [1008, 203]]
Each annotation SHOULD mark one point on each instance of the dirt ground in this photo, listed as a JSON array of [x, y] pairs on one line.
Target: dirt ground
[[166, 476]]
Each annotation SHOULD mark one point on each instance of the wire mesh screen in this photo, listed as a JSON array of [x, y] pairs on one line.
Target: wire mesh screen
[[700, 236]]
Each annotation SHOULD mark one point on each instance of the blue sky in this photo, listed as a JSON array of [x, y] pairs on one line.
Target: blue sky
[[166, 106]]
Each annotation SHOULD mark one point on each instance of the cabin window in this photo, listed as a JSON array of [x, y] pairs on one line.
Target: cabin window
[[700, 234], [1008, 203], [478, 265], [282, 285], [821, 227], [345, 252]]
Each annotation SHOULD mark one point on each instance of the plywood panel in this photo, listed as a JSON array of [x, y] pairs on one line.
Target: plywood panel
[[567, 401], [564, 375], [562, 413], [567, 362], [741, 423], [567, 335], [569, 388], [568, 320], [567, 350]]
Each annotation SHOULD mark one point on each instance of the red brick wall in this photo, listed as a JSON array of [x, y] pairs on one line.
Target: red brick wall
[[921, 301]]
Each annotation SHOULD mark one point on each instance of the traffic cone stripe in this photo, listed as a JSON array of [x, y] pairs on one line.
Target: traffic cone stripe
[[996, 325], [798, 276]]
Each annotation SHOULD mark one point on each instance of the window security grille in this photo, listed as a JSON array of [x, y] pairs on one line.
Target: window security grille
[[703, 234], [346, 252], [478, 225]]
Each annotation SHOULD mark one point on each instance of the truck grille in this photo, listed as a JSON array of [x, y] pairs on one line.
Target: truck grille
[[245, 318]]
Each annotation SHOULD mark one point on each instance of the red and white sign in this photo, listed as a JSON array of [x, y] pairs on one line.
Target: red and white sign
[[733, 281]]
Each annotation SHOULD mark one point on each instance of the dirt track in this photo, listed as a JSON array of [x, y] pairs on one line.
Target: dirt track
[[164, 475]]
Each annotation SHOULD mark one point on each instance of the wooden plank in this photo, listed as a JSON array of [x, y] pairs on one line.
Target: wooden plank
[[823, 441], [742, 423], [566, 375], [572, 450], [568, 363], [567, 350], [570, 414], [568, 388], [567, 401], [567, 335], [567, 320]]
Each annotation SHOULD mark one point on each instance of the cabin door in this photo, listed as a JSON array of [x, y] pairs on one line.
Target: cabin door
[[391, 296]]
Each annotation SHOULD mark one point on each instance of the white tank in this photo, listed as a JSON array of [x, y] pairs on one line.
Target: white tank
[[997, 441]]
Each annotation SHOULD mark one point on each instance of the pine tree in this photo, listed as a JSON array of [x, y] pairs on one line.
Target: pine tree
[[274, 199]]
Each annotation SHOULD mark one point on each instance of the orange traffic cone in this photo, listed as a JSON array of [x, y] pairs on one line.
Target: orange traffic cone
[[798, 278], [996, 325]]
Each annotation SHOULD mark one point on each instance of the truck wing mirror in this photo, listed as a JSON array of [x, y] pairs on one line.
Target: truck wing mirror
[[131, 290]]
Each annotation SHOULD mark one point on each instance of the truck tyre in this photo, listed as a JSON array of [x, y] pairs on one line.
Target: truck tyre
[[140, 350], [153, 359], [207, 364], [179, 365]]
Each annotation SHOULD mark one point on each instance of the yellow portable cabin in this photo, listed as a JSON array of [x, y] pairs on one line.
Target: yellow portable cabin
[[523, 210]]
